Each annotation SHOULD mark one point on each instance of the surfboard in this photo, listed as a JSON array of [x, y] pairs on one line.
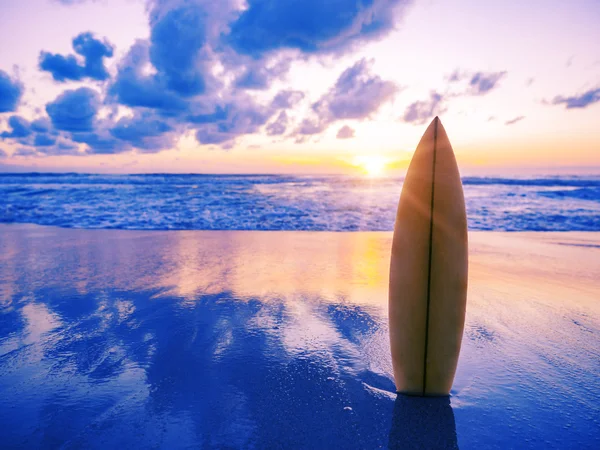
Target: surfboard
[[428, 270]]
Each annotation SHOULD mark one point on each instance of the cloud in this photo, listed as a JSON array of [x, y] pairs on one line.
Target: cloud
[[175, 65], [92, 50], [478, 83], [11, 91], [101, 143], [242, 116], [471, 84], [44, 140], [60, 147], [287, 99], [41, 125], [202, 59], [578, 101], [421, 111], [25, 151], [357, 94], [311, 126], [38, 133], [220, 113], [311, 26], [481, 83], [3, 154], [144, 132], [211, 136], [513, 121], [20, 128], [175, 42], [257, 75], [135, 89], [74, 110], [345, 132], [278, 126], [61, 67]]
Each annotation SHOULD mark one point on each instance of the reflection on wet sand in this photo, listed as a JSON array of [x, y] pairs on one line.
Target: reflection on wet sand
[[279, 340], [194, 339], [251, 264]]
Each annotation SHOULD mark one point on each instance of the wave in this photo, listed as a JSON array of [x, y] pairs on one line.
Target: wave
[[281, 202]]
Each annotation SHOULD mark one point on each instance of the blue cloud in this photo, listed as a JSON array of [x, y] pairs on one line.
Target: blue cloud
[[259, 76], [92, 50], [134, 91], [481, 83], [3, 154], [100, 143], [58, 148], [133, 88], [345, 132], [287, 99], [357, 94], [310, 25], [243, 116], [74, 110], [253, 79], [170, 76], [20, 128], [210, 136], [144, 132], [578, 101], [10, 93], [41, 125], [278, 126], [43, 140], [311, 126], [61, 67], [220, 113], [25, 151], [421, 111], [478, 83], [176, 50], [244, 119], [176, 39]]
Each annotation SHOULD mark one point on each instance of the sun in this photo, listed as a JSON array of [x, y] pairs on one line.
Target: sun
[[372, 166]]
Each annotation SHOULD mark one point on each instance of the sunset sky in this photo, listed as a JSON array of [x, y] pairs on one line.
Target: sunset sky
[[297, 86]]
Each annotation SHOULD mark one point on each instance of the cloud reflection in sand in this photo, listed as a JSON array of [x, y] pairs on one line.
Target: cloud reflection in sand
[[218, 339]]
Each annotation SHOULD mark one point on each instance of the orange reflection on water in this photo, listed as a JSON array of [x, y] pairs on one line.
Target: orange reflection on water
[[350, 267]]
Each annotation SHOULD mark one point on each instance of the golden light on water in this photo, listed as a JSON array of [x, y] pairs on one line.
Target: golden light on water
[[373, 166]]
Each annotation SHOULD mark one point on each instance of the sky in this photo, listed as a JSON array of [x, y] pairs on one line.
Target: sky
[[297, 86]]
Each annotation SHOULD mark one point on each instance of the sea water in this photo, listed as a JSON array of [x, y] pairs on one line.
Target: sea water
[[275, 202]]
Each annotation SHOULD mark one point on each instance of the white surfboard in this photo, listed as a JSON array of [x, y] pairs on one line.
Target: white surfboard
[[428, 270]]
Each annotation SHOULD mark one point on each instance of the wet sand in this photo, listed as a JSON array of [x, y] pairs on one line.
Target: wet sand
[[279, 340]]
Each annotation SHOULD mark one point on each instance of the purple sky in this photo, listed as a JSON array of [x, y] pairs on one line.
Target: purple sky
[[296, 87]]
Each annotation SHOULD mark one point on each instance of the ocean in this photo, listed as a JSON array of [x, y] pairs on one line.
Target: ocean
[[278, 202]]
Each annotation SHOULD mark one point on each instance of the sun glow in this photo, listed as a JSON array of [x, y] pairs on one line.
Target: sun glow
[[372, 166]]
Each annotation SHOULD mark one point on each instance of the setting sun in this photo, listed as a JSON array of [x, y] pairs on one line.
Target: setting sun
[[372, 166]]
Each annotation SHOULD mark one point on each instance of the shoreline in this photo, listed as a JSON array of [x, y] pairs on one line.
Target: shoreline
[[58, 227]]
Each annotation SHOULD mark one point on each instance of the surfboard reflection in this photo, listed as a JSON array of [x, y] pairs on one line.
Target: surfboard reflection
[[423, 422]]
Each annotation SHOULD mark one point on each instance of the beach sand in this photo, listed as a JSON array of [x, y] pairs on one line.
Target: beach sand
[[279, 340]]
